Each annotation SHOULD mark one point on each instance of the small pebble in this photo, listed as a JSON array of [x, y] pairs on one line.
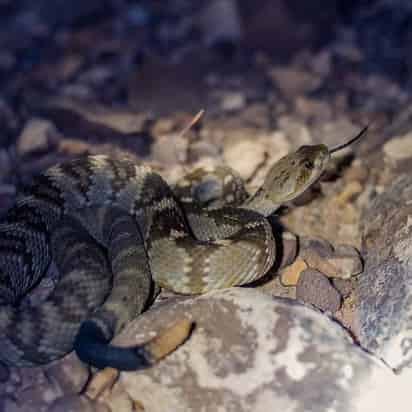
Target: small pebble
[[314, 287], [290, 275], [36, 135], [233, 102], [101, 381]]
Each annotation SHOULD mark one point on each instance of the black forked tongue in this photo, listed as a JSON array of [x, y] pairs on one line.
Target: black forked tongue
[[92, 347], [346, 144]]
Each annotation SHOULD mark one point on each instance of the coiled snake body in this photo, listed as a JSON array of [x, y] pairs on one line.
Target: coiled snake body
[[111, 226]]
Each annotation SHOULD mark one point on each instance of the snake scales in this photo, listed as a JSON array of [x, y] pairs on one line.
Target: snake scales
[[111, 226]]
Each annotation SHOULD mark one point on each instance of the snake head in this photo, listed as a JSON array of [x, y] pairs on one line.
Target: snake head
[[295, 173]]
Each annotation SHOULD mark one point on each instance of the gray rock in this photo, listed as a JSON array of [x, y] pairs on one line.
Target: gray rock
[[384, 291], [314, 287], [250, 352]]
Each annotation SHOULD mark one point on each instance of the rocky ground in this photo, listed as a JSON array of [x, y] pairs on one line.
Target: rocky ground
[[125, 79]]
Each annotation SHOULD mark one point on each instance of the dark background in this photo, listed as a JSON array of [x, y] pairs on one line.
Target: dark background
[[99, 50]]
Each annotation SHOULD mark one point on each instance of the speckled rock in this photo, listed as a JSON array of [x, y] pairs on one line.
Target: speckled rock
[[314, 287], [250, 352], [385, 288]]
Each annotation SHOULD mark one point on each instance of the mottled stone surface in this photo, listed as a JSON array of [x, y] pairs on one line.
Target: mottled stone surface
[[385, 288], [315, 288], [249, 352]]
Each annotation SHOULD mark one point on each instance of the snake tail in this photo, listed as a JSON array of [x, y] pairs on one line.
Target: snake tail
[[92, 347]]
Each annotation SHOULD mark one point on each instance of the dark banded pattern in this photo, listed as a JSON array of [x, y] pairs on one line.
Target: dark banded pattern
[[111, 226]]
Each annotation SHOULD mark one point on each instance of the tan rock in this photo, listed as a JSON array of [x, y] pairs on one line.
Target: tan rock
[[37, 135], [244, 152], [399, 148], [290, 275]]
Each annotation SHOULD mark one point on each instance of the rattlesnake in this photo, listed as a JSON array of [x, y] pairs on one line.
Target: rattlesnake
[[96, 216]]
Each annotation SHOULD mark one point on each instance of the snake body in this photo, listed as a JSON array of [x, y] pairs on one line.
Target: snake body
[[111, 226]]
